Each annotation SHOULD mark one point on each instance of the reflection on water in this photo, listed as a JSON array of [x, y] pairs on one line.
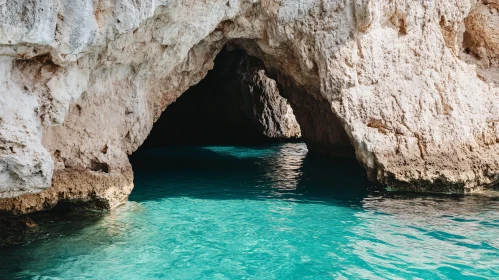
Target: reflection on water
[[271, 212], [284, 169]]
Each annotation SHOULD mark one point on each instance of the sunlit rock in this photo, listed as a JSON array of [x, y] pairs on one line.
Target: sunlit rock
[[84, 81]]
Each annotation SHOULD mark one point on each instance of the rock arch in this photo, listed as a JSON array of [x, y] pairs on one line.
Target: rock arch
[[81, 90]]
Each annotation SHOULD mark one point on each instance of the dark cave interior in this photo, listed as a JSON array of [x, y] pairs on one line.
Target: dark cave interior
[[225, 108]]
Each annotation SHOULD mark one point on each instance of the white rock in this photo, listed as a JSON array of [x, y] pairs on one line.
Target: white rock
[[420, 109]]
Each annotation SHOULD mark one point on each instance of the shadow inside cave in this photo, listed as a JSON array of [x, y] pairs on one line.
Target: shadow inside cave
[[233, 105], [274, 171], [285, 172]]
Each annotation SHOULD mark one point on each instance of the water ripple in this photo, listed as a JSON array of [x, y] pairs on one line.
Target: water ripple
[[270, 212]]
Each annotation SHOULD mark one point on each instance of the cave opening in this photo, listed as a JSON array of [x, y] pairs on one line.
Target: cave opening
[[243, 130], [235, 104], [246, 132]]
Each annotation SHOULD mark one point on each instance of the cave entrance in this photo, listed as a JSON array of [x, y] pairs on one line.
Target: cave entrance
[[211, 142], [242, 102], [235, 104]]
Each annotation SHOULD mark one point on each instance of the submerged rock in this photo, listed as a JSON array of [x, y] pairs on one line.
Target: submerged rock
[[411, 86]]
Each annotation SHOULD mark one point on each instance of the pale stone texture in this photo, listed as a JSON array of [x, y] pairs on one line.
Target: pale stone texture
[[411, 83]]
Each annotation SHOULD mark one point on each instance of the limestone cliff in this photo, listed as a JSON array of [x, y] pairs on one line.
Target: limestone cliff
[[412, 85]]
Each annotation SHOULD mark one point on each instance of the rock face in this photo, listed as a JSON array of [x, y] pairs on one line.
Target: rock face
[[236, 103], [411, 85]]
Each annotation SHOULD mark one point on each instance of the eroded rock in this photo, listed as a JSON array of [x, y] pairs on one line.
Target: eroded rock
[[482, 30], [82, 84]]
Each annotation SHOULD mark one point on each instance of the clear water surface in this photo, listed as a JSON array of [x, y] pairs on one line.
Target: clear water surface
[[269, 212]]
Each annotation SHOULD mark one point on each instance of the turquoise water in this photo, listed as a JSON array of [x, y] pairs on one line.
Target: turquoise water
[[270, 212]]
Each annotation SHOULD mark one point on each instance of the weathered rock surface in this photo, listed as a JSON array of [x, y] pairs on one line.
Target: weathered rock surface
[[412, 84], [236, 103]]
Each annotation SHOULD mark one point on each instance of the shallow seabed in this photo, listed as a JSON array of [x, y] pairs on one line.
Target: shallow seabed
[[268, 212]]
